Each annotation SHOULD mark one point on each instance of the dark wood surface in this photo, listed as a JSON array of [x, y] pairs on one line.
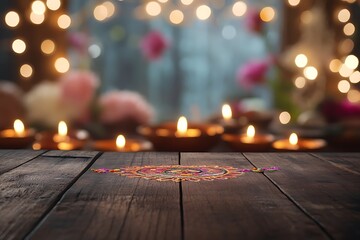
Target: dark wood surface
[[54, 195]]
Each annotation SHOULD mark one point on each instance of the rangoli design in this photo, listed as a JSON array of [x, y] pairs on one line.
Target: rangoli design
[[178, 173]]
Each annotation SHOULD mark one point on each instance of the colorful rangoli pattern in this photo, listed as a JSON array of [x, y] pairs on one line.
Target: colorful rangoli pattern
[[178, 173]]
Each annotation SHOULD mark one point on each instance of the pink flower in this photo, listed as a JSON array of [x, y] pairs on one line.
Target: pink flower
[[253, 21], [79, 41], [153, 45], [78, 88], [252, 73], [117, 106]]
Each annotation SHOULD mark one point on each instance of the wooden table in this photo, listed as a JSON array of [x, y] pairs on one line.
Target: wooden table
[[55, 195]]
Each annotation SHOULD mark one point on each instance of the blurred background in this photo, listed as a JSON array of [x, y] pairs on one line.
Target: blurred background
[[116, 64]]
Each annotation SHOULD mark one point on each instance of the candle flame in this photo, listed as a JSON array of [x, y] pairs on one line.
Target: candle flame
[[182, 125], [120, 141], [226, 112], [19, 127], [62, 129], [293, 139], [250, 131]]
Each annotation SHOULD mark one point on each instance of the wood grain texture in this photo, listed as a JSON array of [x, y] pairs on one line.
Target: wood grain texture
[[74, 153], [349, 162], [109, 206], [10, 159], [329, 194], [248, 207], [30, 190]]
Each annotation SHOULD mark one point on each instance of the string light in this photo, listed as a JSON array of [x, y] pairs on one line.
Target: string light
[[176, 17], [300, 82], [239, 8], [37, 18], [301, 60], [310, 73], [203, 12], [64, 21], [353, 96], [186, 2], [355, 77], [335, 65], [26, 70], [12, 19], [110, 8], [38, 7], [344, 86], [153, 8], [267, 14], [53, 4], [62, 65], [48, 46], [352, 62], [345, 71], [100, 12], [344, 15], [284, 117], [18, 46], [349, 29], [293, 3]]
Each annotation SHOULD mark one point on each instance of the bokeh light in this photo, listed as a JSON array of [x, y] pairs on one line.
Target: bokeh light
[[203, 12], [64, 21], [153, 8], [300, 82], [38, 7], [26, 70], [267, 14], [62, 65], [47, 46], [12, 19], [310, 73], [176, 17], [18, 46], [239, 8], [284, 117], [301, 60], [344, 86], [53, 4]]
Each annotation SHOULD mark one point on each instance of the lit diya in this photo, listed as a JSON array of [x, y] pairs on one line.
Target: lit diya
[[18, 137], [296, 144], [61, 140], [250, 141], [121, 144], [182, 136], [230, 124]]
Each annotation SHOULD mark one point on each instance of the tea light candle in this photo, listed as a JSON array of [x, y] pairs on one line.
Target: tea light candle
[[18, 137], [295, 144], [249, 141], [121, 144], [182, 136], [59, 141], [230, 124]]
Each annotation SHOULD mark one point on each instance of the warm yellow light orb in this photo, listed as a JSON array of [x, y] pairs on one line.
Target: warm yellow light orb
[[53, 4], [48, 46], [293, 3], [62, 65], [203, 12], [355, 77], [310, 73], [100, 12], [300, 82], [345, 71], [349, 29], [344, 15], [26, 70], [284, 117], [267, 14], [301, 60], [352, 62], [293, 139], [187, 2], [19, 127], [176, 17], [353, 96], [18, 46], [110, 8], [12, 19], [38, 7], [182, 125], [120, 141], [37, 18], [153, 8], [344, 86], [250, 132], [335, 65], [239, 8], [64, 21], [226, 111]]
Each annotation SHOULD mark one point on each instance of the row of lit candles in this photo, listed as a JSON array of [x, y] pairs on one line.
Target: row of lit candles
[[244, 142]]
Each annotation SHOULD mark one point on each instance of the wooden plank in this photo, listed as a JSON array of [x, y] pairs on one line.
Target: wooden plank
[[327, 193], [248, 207], [10, 159], [30, 190], [75, 153], [109, 206], [349, 162]]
